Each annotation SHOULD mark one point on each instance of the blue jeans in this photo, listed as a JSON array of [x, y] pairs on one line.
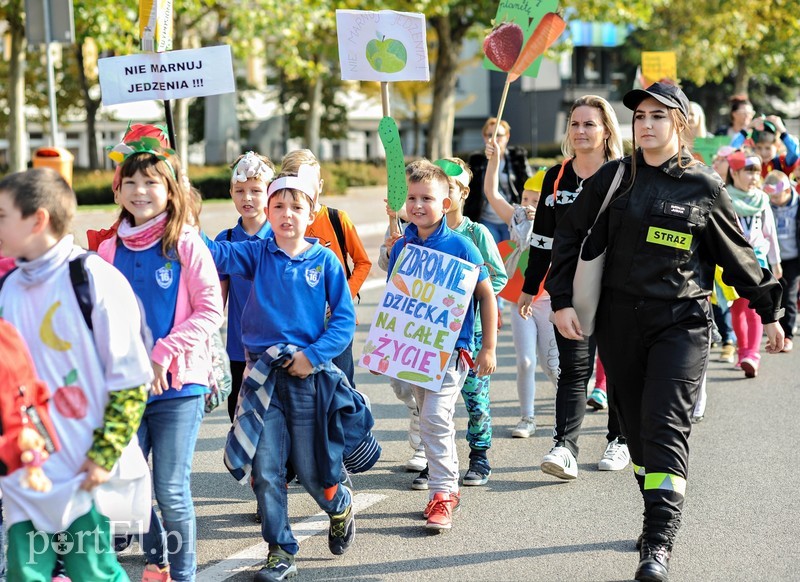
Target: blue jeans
[[499, 230], [169, 429], [289, 435]]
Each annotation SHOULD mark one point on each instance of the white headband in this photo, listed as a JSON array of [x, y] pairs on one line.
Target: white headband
[[306, 181], [251, 166]]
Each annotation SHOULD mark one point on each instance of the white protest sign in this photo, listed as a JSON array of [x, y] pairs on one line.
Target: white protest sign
[[382, 46], [420, 316], [168, 75]]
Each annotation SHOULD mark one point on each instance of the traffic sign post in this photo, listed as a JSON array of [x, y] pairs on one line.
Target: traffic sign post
[[46, 22]]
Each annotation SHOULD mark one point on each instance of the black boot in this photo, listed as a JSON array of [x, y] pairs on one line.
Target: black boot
[[661, 525], [653, 563]]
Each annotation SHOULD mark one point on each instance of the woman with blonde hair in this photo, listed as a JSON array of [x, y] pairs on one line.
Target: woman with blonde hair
[[592, 138]]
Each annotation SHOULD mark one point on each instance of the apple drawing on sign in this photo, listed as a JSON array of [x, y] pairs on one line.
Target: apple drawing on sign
[[386, 55]]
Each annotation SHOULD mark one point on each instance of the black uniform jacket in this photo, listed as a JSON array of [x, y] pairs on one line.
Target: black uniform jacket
[[663, 235]]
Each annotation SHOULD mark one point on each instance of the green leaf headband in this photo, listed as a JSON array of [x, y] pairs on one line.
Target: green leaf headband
[[455, 171]]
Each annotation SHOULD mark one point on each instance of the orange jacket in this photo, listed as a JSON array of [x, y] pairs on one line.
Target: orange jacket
[[322, 229]]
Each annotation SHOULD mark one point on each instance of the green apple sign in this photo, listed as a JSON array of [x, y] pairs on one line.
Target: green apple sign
[[386, 55]]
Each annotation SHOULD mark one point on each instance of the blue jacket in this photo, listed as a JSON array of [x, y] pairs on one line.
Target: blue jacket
[[343, 421]]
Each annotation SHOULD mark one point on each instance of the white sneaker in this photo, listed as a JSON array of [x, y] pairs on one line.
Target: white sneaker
[[417, 462], [615, 458], [561, 463], [525, 428]]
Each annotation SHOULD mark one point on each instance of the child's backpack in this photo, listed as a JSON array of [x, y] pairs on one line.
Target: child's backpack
[[336, 223], [23, 400]]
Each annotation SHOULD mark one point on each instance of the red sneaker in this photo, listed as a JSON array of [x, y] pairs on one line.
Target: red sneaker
[[454, 497], [156, 575], [440, 510]]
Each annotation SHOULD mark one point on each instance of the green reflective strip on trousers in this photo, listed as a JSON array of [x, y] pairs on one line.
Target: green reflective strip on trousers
[[666, 482], [638, 469]]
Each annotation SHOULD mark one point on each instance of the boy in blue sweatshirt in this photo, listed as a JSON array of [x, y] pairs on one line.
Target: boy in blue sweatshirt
[[428, 201], [295, 280]]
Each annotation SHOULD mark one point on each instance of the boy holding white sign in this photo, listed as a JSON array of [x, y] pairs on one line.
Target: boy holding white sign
[[426, 205]]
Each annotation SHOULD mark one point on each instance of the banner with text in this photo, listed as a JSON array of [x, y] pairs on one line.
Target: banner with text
[[382, 46], [169, 75], [419, 318]]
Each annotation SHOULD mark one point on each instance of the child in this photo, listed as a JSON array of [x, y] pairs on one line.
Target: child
[[784, 202], [334, 230], [403, 390], [536, 334], [475, 390], [767, 133], [251, 176], [284, 326], [426, 205], [758, 224], [106, 369], [157, 248]]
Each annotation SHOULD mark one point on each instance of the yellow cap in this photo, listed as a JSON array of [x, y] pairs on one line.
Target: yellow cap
[[534, 184]]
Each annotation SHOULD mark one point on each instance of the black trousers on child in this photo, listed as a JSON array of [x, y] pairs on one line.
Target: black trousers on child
[[655, 353]]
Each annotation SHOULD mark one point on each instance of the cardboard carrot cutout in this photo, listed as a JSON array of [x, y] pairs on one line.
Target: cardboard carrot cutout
[[501, 43]]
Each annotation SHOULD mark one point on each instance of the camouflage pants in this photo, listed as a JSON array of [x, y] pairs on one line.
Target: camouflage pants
[[476, 396]]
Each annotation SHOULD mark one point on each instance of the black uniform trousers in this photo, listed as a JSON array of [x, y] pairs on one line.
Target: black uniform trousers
[[576, 362], [655, 353]]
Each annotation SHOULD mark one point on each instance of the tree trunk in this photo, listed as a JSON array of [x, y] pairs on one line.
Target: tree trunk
[[314, 121], [742, 78], [442, 122], [92, 106], [17, 126]]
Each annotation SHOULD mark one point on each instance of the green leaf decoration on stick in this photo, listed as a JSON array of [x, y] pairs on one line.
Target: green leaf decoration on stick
[[395, 163]]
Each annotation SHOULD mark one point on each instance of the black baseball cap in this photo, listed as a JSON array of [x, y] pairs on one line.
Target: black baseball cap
[[669, 95]]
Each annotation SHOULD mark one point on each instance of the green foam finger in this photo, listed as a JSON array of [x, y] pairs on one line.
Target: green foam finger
[[395, 163]]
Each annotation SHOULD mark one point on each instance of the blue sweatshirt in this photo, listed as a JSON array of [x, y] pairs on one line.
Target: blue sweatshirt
[[290, 296], [238, 291], [446, 240]]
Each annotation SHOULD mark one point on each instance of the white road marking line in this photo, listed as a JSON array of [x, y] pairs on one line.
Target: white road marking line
[[255, 555]]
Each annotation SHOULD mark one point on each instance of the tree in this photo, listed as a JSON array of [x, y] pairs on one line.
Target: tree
[[13, 11], [305, 49], [721, 39], [100, 28], [452, 22]]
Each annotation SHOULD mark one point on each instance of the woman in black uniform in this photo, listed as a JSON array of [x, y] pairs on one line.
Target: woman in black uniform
[[668, 225]]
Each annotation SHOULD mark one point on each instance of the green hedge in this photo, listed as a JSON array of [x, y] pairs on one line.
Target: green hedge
[[94, 187]]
